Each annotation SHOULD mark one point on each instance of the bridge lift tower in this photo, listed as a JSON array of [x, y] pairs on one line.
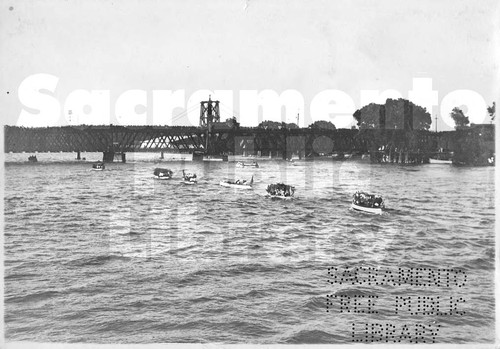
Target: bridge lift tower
[[209, 113]]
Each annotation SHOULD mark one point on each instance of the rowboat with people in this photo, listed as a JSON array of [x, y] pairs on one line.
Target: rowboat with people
[[189, 178], [280, 191], [237, 184], [162, 173], [98, 166], [369, 203], [247, 164]]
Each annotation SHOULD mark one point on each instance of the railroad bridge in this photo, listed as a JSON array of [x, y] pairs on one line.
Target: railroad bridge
[[213, 137], [112, 140]]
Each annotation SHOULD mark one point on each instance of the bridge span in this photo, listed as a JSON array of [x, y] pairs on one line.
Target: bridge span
[[223, 140], [213, 137], [113, 139]]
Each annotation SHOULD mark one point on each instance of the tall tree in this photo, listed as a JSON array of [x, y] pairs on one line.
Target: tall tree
[[491, 111], [421, 118], [273, 125], [459, 117], [290, 125], [270, 124], [393, 114], [232, 122], [369, 116], [322, 125]]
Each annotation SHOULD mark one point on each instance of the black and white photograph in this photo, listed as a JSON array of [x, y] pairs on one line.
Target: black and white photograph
[[244, 172]]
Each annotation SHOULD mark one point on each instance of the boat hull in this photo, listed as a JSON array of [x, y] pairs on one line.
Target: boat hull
[[373, 210], [236, 186], [215, 158], [162, 178], [437, 161], [97, 169], [279, 197], [188, 182]]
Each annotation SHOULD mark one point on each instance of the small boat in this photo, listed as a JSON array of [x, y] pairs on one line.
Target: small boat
[[32, 158], [215, 158], [247, 164], [367, 203], [280, 191], [189, 178], [98, 166], [237, 184], [162, 173], [441, 157], [439, 161]]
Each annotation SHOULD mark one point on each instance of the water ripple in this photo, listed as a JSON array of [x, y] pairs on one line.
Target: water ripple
[[118, 257]]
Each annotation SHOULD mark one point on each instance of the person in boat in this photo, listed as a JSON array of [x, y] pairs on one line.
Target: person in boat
[[367, 200], [360, 199]]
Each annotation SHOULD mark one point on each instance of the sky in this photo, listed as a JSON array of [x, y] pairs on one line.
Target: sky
[[56, 47]]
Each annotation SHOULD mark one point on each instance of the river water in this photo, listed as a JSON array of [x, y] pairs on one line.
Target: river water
[[119, 257]]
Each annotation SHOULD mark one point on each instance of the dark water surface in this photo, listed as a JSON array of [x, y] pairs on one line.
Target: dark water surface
[[116, 256]]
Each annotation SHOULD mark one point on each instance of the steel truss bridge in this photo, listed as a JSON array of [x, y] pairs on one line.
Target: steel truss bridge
[[213, 137], [281, 142]]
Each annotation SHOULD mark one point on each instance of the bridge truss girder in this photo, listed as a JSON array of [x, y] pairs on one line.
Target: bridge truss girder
[[155, 138]]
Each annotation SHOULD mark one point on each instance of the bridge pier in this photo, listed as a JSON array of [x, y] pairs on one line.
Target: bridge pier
[[78, 157], [108, 156]]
